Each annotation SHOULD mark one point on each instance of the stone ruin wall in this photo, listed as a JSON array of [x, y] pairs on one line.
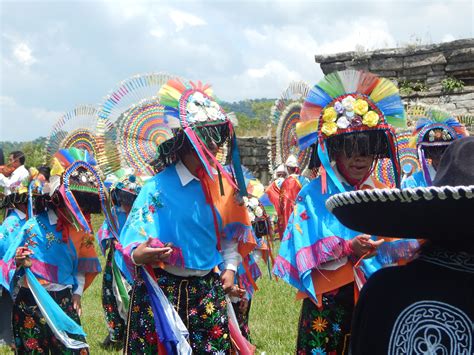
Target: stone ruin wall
[[428, 65]]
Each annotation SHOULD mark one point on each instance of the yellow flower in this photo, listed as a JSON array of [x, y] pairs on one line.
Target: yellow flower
[[361, 107], [371, 119], [209, 308], [319, 324], [204, 316], [150, 311], [225, 336], [329, 115], [329, 128]]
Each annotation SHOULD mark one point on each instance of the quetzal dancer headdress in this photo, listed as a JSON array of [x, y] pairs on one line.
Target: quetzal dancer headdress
[[347, 102], [74, 176], [74, 129], [192, 112], [434, 128]]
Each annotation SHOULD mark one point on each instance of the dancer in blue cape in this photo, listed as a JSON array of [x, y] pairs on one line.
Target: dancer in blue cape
[[51, 262], [117, 280], [346, 119], [16, 211], [186, 221], [434, 131]]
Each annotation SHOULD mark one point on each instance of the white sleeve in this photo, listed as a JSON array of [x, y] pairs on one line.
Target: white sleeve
[[81, 280], [4, 181], [230, 254]]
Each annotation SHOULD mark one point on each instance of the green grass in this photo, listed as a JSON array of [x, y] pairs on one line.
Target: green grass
[[273, 316]]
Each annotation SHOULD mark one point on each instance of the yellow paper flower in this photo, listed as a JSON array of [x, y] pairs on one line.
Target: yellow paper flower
[[209, 308], [329, 115], [361, 107], [329, 128], [371, 119]]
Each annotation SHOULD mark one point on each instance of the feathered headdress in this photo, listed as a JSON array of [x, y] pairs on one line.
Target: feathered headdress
[[345, 102], [285, 114], [73, 170], [196, 110], [434, 126]]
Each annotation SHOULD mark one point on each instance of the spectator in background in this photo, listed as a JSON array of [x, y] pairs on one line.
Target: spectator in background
[[14, 172]]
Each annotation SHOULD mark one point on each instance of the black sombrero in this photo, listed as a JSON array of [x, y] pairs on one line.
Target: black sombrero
[[443, 211]]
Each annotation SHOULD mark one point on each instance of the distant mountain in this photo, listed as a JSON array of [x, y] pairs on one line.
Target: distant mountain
[[246, 107]]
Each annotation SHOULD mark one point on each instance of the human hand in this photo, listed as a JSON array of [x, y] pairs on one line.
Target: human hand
[[146, 254], [76, 304], [227, 279], [22, 257], [361, 245]]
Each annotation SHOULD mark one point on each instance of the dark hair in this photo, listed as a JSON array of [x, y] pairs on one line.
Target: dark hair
[[45, 171], [121, 197], [434, 151], [361, 143], [18, 155], [89, 203], [170, 151]]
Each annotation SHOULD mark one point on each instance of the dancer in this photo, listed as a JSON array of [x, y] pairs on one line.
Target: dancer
[[116, 279], [50, 255], [186, 220], [347, 119], [435, 130]]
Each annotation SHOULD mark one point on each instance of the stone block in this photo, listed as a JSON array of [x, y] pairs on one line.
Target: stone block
[[331, 67], [461, 55], [464, 104], [460, 66], [416, 71], [420, 60], [386, 64]]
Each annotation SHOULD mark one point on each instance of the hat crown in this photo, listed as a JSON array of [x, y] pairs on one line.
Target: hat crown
[[456, 167]]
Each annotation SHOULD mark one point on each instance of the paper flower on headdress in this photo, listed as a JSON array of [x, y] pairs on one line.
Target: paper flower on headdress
[[125, 180], [346, 102], [349, 101], [194, 108], [435, 126]]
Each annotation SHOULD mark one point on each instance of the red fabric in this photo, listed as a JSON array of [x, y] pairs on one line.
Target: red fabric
[[273, 193], [288, 192]]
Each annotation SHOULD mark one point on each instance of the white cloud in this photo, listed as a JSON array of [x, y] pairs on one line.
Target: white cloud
[[448, 37], [23, 54], [21, 117], [157, 32], [182, 19]]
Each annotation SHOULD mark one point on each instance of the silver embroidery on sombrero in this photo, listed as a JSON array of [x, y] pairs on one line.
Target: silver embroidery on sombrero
[[431, 327], [452, 260]]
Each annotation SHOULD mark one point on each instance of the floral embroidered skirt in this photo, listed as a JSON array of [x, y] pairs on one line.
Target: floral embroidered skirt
[[114, 318], [32, 333], [243, 318], [200, 302], [326, 330]]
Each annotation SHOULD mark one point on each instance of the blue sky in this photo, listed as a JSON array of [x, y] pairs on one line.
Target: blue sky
[[56, 55]]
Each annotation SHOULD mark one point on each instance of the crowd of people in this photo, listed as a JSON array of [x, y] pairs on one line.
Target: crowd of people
[[379, 269]]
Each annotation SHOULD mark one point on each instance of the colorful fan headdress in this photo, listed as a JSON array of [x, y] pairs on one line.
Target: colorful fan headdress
[[192, 106], [75, 128], [346, 102], [73, 170], [285, 114], [131, 125], [407, 156]]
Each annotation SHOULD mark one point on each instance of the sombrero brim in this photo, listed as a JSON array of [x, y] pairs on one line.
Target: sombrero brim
[[430, 213]]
